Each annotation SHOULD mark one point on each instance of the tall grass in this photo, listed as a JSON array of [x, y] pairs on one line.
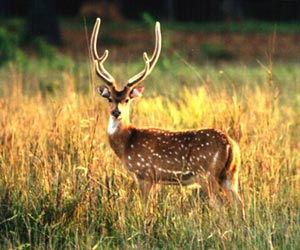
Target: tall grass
[[61, 187]]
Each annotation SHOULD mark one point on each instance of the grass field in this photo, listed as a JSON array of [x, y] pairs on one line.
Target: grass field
[[61, 186]]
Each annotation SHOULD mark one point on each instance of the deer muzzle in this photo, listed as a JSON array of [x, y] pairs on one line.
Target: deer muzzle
[[116, 113]]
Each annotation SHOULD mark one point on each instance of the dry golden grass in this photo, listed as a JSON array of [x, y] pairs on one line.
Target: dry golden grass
[[61, 187]]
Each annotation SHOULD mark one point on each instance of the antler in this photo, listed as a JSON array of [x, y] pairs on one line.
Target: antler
[[98, 61], [150, 63]]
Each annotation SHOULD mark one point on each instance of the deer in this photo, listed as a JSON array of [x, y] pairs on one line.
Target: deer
[[209, 157]]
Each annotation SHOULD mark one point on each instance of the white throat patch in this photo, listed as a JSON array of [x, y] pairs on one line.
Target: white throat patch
[[113, 125]]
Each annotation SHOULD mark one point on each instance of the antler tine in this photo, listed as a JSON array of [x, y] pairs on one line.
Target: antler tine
[[150, 63], [98, 61]]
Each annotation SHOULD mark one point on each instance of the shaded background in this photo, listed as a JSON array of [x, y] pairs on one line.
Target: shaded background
[[46, 19], [188, 10]]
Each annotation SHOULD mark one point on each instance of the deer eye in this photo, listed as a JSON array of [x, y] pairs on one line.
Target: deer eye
[[109, 100], [127, 100]]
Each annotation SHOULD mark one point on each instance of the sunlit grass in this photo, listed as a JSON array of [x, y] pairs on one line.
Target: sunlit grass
[[61, 187]]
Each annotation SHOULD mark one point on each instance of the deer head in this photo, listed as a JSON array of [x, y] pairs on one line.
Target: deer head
[[120, 99]]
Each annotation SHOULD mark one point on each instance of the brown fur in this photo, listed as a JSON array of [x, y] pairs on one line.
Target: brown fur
[[207, 157]]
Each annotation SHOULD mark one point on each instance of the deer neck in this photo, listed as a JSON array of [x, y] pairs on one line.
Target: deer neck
[[119, 132]]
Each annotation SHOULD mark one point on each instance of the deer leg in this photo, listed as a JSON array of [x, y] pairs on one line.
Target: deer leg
[[148, 190], [145, 188], [230, 189], [211, 187], [214, 191]]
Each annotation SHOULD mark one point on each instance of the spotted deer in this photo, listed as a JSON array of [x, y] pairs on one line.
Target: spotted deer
[[152, 156]]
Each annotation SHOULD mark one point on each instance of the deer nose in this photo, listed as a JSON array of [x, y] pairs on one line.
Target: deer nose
[[116, 113]]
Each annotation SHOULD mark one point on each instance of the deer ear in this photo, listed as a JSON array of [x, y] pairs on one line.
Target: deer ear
[[137, 92], [103, 91]]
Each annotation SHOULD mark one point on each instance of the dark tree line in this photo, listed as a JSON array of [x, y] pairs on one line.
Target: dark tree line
[[42, 14], [187, 10], [42, 21]]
